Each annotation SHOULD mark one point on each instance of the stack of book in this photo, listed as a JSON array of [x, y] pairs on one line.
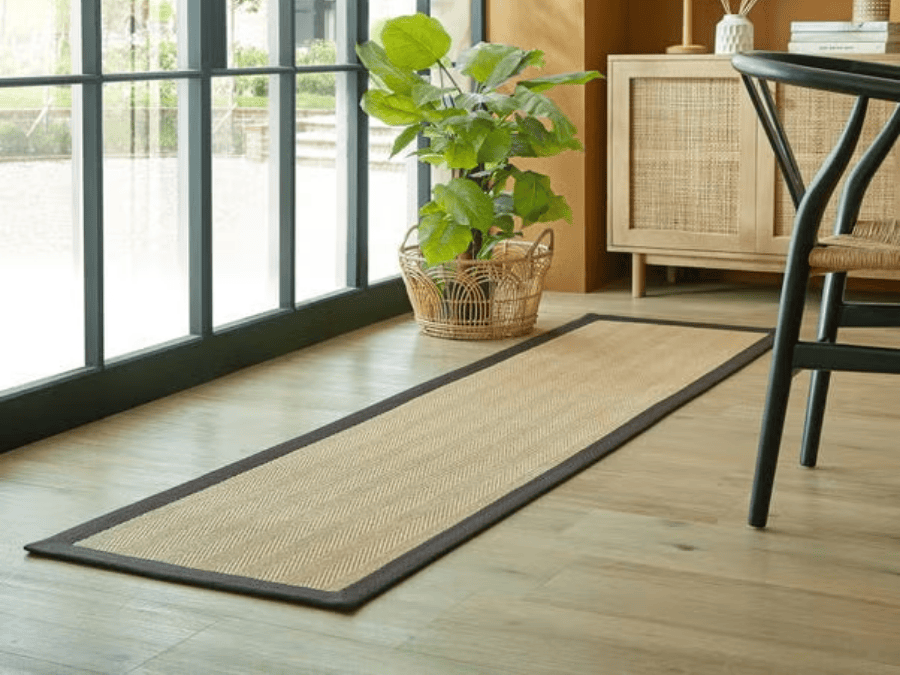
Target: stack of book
[[844, 37]]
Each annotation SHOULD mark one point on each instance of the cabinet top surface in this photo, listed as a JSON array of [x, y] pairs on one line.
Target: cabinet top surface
[[668, 57], [682, 58]]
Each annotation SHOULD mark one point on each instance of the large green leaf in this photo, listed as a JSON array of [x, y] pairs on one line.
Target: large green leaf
[[562, 131], [505, 223], [433, 153], [460, 139], [558, 209], [500, 105], [538, 84], [532, 103], [430, 157], [425, 93], [479, 61], [539, 141], [495, 147], [442, 239], [534, 139], [469, 101], [491, 241], [521, 147], [407, 136], [374, 58], [466, 203], [393, 109], [500, 179], [460, 154], [532, 196], [415, 41], [438, 116], [565, 131], [472, 129], [493, 64], [512, 65]]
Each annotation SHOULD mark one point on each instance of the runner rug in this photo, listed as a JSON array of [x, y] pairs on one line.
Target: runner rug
[[334, 517]]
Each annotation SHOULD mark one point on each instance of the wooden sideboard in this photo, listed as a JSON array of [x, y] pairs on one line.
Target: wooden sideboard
[[692, 180]]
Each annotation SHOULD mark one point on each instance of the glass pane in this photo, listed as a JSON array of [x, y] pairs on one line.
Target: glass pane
[[315, 31], [41, 301], [457, 19], [39, 37], [381, 10], [245, 217], [392, 182], [392, 199], [145, 243], [321, 214], [248, 33], [139, 36]]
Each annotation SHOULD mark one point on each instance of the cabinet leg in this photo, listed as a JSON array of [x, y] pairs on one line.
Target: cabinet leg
[[638, 275]]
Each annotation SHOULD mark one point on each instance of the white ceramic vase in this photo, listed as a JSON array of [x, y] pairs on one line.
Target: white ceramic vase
[[734, 33]]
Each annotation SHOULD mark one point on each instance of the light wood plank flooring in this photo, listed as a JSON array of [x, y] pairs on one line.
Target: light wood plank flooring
[[641, 564]]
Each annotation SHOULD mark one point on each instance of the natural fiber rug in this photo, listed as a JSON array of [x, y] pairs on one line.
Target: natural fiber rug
[[336, 516]]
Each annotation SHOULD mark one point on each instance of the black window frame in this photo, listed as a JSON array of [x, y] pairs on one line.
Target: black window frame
[[105, 386]]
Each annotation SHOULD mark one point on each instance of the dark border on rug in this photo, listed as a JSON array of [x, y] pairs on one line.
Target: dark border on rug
[[63, 546]]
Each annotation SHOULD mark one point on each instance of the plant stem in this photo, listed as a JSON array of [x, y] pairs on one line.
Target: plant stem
[[477, 242], [443, 69]]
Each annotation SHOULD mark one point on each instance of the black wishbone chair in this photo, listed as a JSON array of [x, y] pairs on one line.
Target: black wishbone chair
[[855, 245]]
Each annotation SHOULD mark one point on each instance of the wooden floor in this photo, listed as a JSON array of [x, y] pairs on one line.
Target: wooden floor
[[641, 564]]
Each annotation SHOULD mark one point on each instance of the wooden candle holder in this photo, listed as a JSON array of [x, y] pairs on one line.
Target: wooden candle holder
[[687, 34]]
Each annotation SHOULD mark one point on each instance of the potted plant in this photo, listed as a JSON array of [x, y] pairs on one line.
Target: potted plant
[[470, 275]]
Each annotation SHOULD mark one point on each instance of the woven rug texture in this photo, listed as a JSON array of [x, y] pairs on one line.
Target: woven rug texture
[[335, 517]]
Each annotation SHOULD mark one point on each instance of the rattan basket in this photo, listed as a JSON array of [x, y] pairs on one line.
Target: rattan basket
[[478, 299]]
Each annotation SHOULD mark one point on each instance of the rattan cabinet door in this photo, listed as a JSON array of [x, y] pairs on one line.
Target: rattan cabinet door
[[813, 121], [682, 156]]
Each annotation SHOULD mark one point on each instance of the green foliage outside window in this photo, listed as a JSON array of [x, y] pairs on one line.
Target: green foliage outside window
[[145, 39], [46, 139], [12, 139]]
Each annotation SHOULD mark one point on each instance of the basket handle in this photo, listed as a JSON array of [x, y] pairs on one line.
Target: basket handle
[[537, 241], [406, 236]]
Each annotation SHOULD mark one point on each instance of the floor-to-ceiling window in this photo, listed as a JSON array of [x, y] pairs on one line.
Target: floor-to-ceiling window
[[186, 187], [41, 299]]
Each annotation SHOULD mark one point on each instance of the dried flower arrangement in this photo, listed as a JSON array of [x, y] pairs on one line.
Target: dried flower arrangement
[[743, 10]]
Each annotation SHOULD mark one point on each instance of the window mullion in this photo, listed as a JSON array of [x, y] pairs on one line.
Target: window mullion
[[353, 27], [423, 169], [199, 28], [283, 186], [91, 181], [478, 21]]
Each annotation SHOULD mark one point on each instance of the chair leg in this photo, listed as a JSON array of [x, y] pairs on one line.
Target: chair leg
[[832, 297], [815, 414], [790, 316]]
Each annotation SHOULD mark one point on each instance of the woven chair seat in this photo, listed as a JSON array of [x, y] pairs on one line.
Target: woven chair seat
[[873, 245]]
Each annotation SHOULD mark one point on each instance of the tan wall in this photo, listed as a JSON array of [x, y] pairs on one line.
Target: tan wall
[[578, 35], [558, 29], [771, 21], [572, 37]]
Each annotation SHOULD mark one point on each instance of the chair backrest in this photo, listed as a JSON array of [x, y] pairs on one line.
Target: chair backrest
[[843, 76], [863, 79]]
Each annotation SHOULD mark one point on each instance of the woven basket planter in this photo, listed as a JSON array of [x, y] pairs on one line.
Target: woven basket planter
[[479, 299]]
